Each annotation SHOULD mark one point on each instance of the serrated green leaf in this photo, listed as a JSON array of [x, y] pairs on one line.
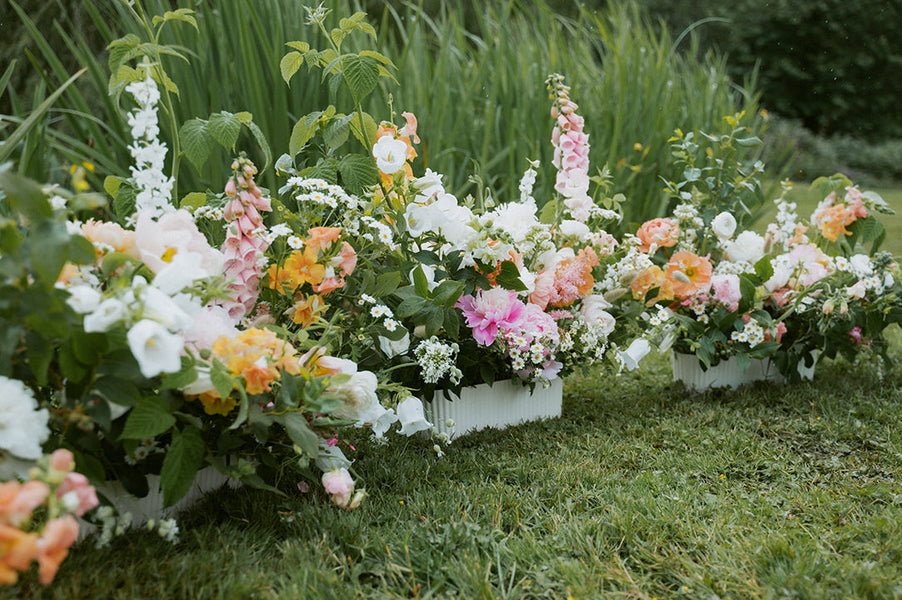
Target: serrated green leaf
[[183, 459], [379, 57], [224, 127], [196, 142], [182, 14], [337, 36], [358, 173], [124, 202], [262, 142], [337, 132], [300, 433], [361, 75], [410, 307], [122, 50], [148, 419], [289, 65], [302, 47], [509, 277], [185, 375]]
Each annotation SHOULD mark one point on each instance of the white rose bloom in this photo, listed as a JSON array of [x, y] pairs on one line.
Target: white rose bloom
[[83, 299], [23, 428], [359, 398], [108, 313], [156, 350], [747, 247], [393, 348], [724, 226], [782, 273], [390, 154], [593, 311]]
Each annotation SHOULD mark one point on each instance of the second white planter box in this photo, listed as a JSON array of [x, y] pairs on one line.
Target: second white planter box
[[727, 374], [500, 405]]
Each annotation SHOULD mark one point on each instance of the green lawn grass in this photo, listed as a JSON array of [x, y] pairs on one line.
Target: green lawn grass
[[641, 490]]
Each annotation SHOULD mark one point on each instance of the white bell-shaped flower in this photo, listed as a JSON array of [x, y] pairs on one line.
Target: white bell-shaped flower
[[412, 417]]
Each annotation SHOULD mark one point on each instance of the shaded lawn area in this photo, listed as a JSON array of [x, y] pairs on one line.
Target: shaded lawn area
[[641, 490]]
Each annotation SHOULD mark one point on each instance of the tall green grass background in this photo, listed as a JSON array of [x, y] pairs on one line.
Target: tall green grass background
[[472, 72]]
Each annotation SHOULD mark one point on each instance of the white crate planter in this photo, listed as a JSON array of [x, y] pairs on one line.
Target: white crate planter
[[500, 405], [727, 373]]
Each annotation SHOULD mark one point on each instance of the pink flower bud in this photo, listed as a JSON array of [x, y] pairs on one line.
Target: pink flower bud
[[62, 460]]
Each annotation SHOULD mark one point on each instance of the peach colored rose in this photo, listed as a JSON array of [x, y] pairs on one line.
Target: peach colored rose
[[663, 232], [111, 234]]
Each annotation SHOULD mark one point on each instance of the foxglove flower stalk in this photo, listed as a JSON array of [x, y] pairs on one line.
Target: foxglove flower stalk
[[154, 187], [246, 238], [571, 150]]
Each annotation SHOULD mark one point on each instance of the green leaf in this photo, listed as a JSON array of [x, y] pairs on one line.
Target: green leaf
[[147, 420], [358, 173], [509, 277], [749, 142], [183, 459], [124, 202], [302, 47], [39, 353], [224, 127], [300, 433], [366, 134], [337, 132], [24, 195], [387, 283], [289, 65], [262, 142], [81, 251], [764, 269], [447, 293], [303, 131], [434, 320], [185, 375], [196, 142], [410, 307], [380, 57], [193, 200], [182, 14], [451, 323], [420, 283], [122, 50], [361, 74], [48, 245]]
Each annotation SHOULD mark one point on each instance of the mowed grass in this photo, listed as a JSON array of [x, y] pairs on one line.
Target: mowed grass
[[641, 490]]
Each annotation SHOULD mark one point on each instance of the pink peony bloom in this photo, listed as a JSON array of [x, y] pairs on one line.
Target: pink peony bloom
[[490, 311]]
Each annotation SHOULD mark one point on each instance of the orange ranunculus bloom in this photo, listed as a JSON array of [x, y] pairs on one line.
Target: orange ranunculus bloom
[[689, 274], [321, 237], [663, 232], [214, 404]]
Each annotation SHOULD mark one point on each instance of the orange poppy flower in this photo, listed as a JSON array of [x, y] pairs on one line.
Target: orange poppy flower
[[688, 273]]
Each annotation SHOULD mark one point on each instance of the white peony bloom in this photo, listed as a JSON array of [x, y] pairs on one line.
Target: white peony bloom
[[635, 353], [156, 350], [724, 225], [515, 218], [83, 299], [390, 154], [393, 348], [108, 313], [571, 228], [23, 428], [747, 247], [412, 416]]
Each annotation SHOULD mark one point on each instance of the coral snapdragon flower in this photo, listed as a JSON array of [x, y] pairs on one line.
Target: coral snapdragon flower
[[300, 267], [689, 274]]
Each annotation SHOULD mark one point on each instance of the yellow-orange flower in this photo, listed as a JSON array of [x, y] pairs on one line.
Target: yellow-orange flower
[[305, 310], [649, 279], [688, 273], [256, 355], [17, 550], [832, 221], [299, 268], [214, 404]]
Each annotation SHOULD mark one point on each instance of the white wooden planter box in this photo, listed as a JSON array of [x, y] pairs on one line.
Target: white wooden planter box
[[500, 405], [727, 374]]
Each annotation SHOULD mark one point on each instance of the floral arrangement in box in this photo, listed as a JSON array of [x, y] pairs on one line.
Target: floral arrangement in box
[[717, 291]]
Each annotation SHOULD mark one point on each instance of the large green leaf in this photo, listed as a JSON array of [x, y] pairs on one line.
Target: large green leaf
[[183, 459], [147, 420], [358, 172], [196, 142], [300, 433], [361, 74], [224, 127]]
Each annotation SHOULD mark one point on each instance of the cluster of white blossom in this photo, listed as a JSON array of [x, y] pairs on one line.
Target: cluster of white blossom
[[690, 222], [319, 192], [149, 153], [437, 360], [752, 334]]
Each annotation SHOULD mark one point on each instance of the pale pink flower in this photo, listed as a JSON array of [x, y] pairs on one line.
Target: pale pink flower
[[726, 290], [78, 484], [339, 484], [18, 500], [62, 460]]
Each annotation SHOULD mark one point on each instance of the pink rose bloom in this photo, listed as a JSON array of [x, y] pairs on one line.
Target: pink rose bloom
[[78, 484], [490, 311], [340, 485], [726, 290]]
